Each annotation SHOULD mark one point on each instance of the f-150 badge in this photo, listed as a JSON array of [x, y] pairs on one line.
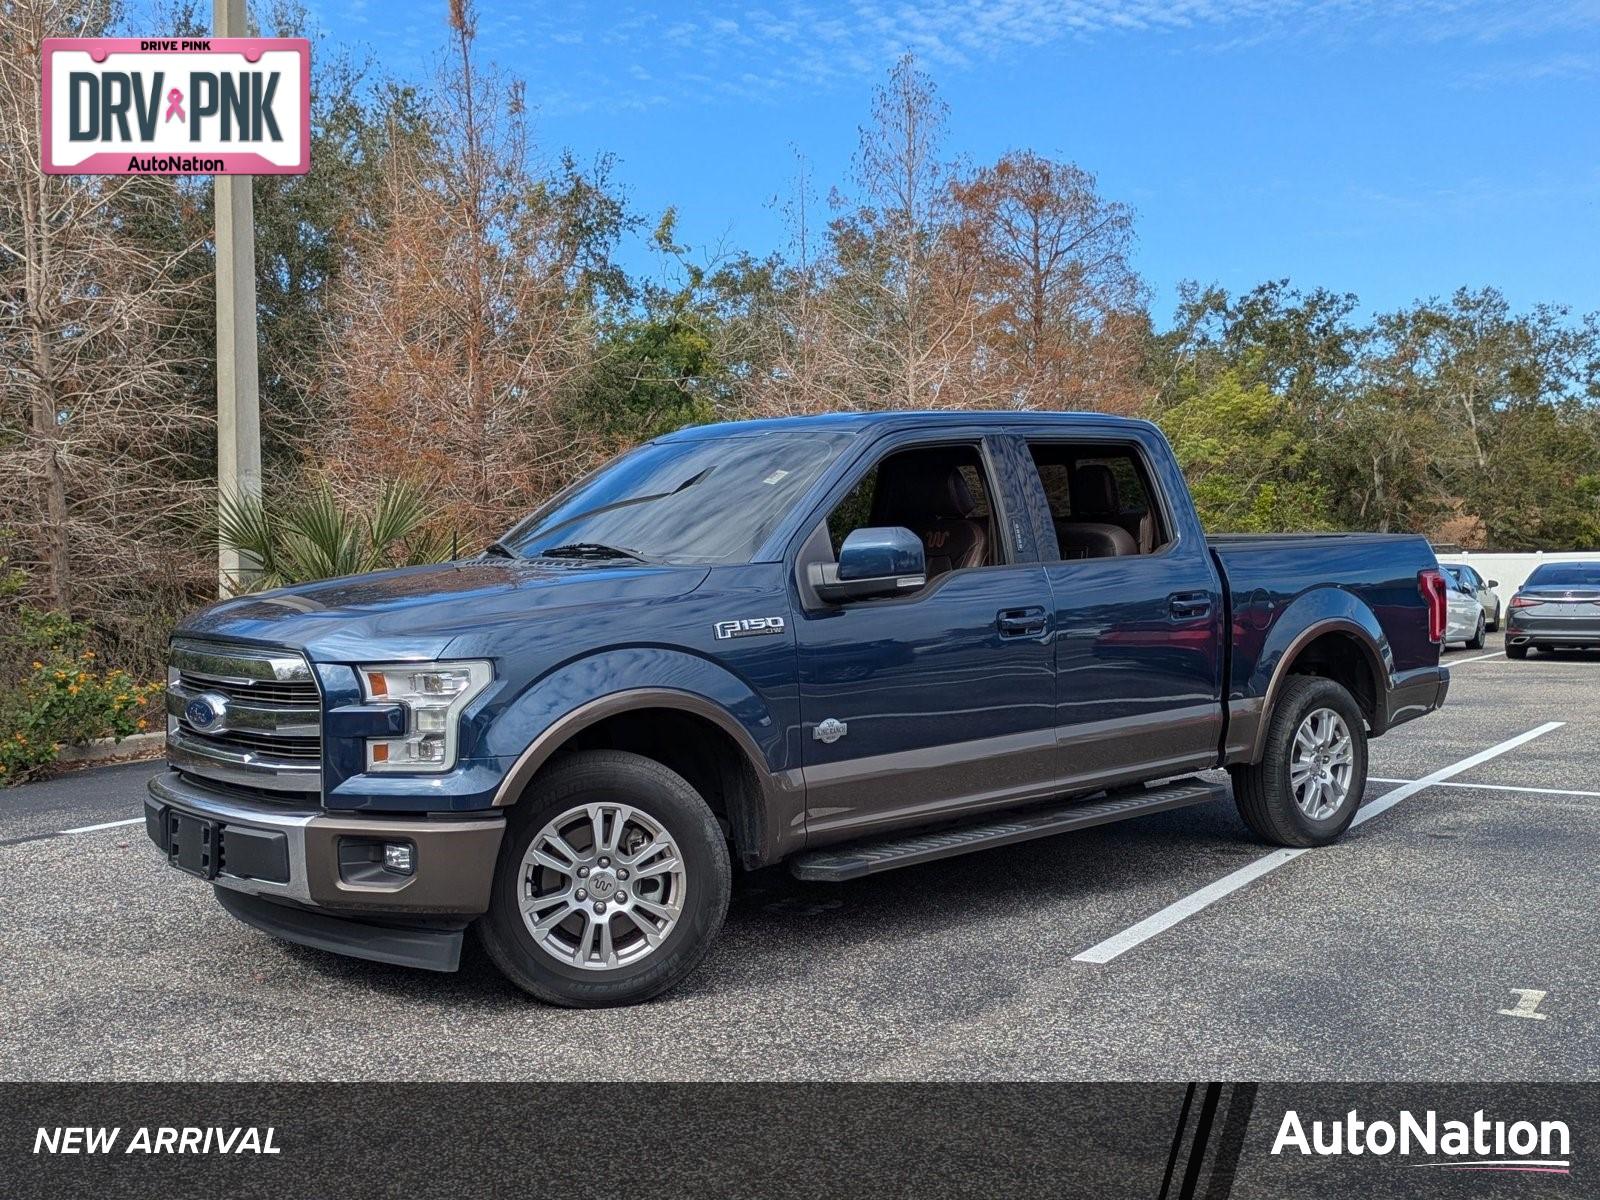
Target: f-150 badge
[[749, 627]]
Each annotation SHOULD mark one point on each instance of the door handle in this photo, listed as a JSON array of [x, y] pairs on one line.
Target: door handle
[[1020, 622], [1187, 606]]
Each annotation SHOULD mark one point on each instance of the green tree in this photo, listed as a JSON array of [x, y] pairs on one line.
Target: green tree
[[1241, 455]]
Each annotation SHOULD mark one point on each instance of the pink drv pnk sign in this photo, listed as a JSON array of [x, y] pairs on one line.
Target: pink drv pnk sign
[[171, 106]]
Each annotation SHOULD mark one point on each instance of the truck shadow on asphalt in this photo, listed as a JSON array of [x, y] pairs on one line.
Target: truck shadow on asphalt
[[782, 931]]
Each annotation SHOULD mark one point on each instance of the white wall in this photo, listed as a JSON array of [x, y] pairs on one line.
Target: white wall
[[1512, 569]]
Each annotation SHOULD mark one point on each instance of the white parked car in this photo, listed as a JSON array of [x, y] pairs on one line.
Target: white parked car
[[1465, 622], [1463, 576]]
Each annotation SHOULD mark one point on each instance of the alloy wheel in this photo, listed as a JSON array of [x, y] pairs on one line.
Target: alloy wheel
[[1321, 764], [602, 886]]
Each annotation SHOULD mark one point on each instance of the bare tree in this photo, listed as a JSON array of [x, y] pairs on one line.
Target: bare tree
[[456, 337], [903, 301], [95, 434]]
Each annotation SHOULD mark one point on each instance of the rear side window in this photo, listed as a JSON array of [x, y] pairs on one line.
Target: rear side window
[[1101, 501]]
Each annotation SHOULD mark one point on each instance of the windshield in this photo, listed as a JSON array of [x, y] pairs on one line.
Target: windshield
[[712, 501], [1453, 572], [1567, 575]]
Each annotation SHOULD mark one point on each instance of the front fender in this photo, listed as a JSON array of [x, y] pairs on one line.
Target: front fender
[[588, 690]]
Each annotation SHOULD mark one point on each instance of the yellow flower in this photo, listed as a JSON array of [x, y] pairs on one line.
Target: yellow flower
[[37, 665], [89, 655], [72, 690], [21, 741], [143, 724]]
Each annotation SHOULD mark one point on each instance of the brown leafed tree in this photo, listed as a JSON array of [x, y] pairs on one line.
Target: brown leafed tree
[[456, 340], [1062, 308], [95, 432]]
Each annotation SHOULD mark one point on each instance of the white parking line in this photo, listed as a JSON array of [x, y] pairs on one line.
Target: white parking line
[[105, 825], [1496, 787], [1177, 911], [1461, 662]]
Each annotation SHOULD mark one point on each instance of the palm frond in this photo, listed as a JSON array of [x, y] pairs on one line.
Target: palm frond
[[315, 537]]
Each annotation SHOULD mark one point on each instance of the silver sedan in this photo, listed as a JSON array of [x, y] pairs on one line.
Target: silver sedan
[[1466, 577], [1464, 619]]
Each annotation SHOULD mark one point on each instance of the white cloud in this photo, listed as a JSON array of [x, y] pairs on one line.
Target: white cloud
[[781, 47]]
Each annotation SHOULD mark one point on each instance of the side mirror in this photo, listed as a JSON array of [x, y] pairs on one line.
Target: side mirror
[[1494, 583], [872, 563]]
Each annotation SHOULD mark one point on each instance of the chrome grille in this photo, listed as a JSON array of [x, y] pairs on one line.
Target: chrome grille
[[258, 725], [302, 694]]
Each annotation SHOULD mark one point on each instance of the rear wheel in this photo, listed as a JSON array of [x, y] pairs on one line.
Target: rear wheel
[[612, 882], [1309, 782], [1516, 651], [1477, 638]]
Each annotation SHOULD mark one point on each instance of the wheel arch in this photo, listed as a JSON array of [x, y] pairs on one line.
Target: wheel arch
[[695, 736], [1346, 645]]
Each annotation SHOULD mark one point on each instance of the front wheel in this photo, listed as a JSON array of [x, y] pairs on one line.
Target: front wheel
[[1308, 784], [1477, 638], [613, 880]]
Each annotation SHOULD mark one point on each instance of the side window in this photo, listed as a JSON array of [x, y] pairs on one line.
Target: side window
[[853, 512], [940, 493], [1101, 500]]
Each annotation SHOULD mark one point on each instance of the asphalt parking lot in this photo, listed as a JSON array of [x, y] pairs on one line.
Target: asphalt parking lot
[[1451, 935]]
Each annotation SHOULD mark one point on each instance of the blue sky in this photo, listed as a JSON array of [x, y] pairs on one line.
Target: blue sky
[[1396, 150]]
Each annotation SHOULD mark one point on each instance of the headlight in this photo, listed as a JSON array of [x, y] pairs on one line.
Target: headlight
[[433, 695]]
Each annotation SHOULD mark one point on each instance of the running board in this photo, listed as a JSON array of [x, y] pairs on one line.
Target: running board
[[855, 859]]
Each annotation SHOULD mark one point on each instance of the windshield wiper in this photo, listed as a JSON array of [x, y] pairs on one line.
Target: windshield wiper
[[592, 550]]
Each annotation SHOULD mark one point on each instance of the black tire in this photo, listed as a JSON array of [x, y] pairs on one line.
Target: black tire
[[1494, 625], [667, 798], [1516, 651], [1477, 639], [1261, 790]]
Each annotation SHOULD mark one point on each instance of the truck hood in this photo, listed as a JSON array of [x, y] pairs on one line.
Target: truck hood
[[416, 612]]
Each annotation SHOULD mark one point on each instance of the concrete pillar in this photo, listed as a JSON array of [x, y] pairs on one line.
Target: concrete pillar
[[238, 377]]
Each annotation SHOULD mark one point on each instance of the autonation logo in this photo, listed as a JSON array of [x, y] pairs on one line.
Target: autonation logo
[[1480, 1144]]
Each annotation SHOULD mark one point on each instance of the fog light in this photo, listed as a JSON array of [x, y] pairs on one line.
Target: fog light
[[398, 857]]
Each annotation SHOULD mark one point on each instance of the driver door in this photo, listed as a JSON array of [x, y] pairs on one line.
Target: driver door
[[938, 702]]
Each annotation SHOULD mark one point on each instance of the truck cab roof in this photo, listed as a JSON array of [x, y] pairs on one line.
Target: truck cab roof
[[860, 422]]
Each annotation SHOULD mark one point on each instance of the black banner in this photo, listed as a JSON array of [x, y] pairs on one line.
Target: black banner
[[1150, 1141]]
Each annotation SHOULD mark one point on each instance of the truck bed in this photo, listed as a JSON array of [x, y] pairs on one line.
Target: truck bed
[[1263, 574]]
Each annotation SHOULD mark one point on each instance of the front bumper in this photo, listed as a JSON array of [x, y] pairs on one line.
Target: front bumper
[[311, 858]]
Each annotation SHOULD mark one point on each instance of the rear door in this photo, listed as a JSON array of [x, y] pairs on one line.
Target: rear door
[[1136, 609], [938, 702]]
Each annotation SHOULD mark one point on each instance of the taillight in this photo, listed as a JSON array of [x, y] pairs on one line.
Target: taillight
[[1430, 582], [1524, 602]]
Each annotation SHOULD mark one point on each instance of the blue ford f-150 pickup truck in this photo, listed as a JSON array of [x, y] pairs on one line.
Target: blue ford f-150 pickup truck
[[849, 643]]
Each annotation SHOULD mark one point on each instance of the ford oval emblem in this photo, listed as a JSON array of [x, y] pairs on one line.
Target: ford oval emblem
[[205, 713]]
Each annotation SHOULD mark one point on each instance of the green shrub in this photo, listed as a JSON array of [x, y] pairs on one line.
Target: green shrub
[[62, 696]]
